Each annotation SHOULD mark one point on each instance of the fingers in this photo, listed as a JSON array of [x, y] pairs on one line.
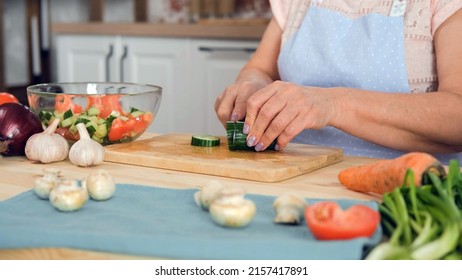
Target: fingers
[[224, 105], [231, 104], [268, 123], [274, 112]]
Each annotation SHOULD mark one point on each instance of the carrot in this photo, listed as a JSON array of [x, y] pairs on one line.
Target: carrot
[[384, 175]]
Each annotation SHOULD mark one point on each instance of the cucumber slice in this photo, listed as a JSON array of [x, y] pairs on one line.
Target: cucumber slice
[[205, 140]]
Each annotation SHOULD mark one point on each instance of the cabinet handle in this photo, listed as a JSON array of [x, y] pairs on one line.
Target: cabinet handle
[[122, 59], [108, 58], [226, 49]]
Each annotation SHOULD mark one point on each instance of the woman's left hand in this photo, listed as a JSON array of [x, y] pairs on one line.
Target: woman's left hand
[[282, 110]]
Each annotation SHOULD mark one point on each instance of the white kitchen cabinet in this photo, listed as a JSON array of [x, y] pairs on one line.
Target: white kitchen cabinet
[[192, 72], [162, 62], [84, 58], [216, 65]]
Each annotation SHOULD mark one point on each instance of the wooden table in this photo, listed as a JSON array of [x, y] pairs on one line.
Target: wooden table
[[17, 175]]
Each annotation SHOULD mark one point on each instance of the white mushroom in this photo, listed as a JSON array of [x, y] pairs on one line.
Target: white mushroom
[[47, 182], [68, 196], [100, 185], [209, 193], [289, 209], [231, 209]]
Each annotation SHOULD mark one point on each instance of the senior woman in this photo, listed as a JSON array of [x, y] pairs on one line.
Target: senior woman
[[376, 78]]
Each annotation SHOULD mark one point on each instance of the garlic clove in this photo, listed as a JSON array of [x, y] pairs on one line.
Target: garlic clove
[[86, 151], [231, 209], [210, 192], [68, 196], [47, 146], [290, 208], [100, 185]]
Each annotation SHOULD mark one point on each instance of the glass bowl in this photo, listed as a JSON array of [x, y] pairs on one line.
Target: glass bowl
[[112, 112]]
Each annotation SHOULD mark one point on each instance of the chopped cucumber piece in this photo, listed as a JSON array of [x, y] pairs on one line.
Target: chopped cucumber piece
[[101, 131], [205, 140], [68, 114], [73, 128], [93, 111], [237, 140], [45, 116], [82, 120], [133, 110], [68, 122], [91, 129], [97, 139], [136, 113]]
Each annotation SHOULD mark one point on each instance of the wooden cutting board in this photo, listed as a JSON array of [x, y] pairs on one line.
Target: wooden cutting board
[[175, 152]]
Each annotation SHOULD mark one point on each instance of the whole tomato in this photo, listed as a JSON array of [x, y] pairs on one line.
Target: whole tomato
[[6, 97]]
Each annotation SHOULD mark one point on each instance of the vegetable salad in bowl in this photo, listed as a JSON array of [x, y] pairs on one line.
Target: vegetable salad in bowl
[[112, 112]]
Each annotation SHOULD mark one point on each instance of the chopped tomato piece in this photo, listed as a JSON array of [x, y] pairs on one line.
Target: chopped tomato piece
[[128, 128], [327, 221], [64, 102], [119, 129], [142, 122], [6, 97], [106, 104]]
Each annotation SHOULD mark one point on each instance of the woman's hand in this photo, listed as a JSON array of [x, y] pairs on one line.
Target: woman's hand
[[282, 110], [232, 102]]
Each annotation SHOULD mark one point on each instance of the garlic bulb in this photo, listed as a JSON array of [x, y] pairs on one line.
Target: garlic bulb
[[290, 209], [231, 209], [209, 192], [47, 182], [47, 146], [68, 196], [100, 185], [86, 151]]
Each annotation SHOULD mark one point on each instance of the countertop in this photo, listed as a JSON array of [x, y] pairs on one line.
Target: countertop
[[213, 30], [17, 175]]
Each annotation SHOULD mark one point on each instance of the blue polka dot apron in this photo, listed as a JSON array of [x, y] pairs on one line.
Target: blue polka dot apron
[[331, 50]]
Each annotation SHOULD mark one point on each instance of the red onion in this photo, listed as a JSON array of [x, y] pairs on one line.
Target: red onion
[[17, 124]]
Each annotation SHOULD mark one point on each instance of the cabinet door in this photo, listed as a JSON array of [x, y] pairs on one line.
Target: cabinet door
[[163, 62], [217, 64], [85, 58]]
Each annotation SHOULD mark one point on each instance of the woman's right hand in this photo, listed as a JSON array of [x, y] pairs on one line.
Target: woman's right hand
[[231, 104]]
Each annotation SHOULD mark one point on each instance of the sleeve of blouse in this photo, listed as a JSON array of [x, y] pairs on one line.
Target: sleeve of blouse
[[442, 10], [280, 8]]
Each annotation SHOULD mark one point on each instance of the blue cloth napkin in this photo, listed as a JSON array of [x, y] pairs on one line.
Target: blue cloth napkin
[[161, 222]]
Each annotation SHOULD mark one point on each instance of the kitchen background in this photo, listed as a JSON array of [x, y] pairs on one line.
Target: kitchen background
[[17, 38], [193, 49]]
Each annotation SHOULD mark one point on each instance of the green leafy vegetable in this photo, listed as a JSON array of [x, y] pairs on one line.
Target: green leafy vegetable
[[423, 222]]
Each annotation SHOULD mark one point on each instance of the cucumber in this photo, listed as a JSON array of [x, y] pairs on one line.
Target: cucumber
[[45, 116], [92, 111], [237, 140], [68, 114], [68, 121], [205, 140], [101, 131], [136, 113]]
